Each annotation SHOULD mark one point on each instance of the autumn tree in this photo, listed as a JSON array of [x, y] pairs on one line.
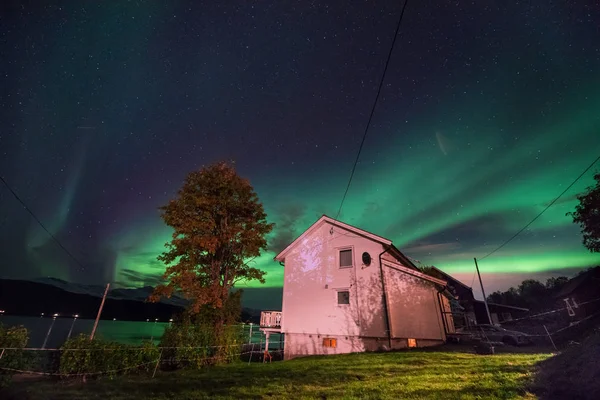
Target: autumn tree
[[587, 216], [219, 225]]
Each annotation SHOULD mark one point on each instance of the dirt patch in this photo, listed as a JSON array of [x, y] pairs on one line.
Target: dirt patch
[[572, 374]]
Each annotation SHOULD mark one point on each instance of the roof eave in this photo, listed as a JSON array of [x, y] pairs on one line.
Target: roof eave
[[323, 219], [416, 273]]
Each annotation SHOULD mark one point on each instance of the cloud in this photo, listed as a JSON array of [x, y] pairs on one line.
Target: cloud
[[432, 247], [564, 199], [133, 278], [285, 228]]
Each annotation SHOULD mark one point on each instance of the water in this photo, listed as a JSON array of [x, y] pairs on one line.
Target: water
[[127, 332]]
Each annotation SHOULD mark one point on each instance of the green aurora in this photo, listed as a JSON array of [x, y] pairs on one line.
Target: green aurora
[[485, 117], [441, 206]]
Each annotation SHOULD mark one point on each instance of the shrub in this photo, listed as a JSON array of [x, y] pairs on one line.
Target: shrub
[[81, 356], [187, 345], [12, 341]]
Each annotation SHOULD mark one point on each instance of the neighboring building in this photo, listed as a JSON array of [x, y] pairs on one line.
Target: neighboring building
[[500, 313], [347, 290], [581, 295], [472, 311]]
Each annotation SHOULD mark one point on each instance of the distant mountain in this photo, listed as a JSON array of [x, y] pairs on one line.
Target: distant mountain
[[52, 295], [33, 298], [92, 290], [141, 294], [136, 294]]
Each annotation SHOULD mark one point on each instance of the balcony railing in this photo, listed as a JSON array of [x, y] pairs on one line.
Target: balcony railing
[[270, 319]]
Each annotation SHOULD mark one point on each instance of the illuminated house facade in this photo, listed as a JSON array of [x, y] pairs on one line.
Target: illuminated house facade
[[347, 290]]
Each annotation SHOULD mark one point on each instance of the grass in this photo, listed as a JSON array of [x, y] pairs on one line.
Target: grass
[[406, 375]]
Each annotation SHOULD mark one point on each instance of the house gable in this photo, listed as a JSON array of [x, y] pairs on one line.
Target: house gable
[[336, 224]]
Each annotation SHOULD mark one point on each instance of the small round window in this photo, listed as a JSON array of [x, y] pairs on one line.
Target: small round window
[[366, 258]]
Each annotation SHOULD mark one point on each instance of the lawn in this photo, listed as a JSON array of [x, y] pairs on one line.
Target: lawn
[[405, 375]]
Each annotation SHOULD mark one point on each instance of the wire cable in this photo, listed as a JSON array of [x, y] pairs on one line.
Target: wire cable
[[373, 108], [473, 279], [40, 222], [543, 211]]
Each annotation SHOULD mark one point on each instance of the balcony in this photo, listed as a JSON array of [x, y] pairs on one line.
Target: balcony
[[270, 320]]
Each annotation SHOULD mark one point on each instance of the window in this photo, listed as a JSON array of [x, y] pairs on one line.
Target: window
[[346, 258], [343, 297], [569, 307], [329, 342], [412, 342]]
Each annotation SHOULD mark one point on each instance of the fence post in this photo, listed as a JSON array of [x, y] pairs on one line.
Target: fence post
[[250, 336], [99, 312], [157, 362], [251, 352], [550, 337]]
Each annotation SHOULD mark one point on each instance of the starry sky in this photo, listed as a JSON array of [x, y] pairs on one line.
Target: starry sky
[[487, 112]]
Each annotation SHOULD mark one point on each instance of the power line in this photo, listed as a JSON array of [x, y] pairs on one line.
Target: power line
[[543, 211], [373, 108], [40, 222]]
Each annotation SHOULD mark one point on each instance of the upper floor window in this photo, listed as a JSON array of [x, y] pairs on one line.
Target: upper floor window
[[346, 258], [343, 297]]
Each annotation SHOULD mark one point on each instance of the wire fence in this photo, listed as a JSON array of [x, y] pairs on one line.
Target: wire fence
[[51, 331], [49, 363], [556, 310], [559, 326]]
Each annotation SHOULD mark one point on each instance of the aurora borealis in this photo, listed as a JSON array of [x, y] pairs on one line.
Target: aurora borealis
[[487, 113]]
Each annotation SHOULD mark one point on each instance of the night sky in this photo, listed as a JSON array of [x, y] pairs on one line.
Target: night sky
[[488, 111]]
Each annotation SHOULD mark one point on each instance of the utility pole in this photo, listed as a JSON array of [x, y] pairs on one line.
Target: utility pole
[[487, 309], [99, 312]]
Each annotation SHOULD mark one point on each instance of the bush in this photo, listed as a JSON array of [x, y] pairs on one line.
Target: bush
[[82, 356], [12, 341], [187, 345]]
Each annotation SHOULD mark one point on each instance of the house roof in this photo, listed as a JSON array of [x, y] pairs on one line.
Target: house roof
[[410, 271], [574, 283], [451, 278], [325, 219]]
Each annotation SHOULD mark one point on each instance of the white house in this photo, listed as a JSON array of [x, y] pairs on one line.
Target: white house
[[347, 290]]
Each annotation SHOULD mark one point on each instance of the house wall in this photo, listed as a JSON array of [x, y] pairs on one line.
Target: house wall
[[581, 298], [304, 344], [414, 307], [451, 328], [312, 279]]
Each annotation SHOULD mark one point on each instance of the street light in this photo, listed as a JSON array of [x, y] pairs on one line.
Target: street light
[[49, 330], [72, 324], [152, 330]]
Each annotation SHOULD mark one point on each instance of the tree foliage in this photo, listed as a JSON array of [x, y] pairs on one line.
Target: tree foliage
[[587, 216], [218, 226], [12, 339], [530, 293]]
